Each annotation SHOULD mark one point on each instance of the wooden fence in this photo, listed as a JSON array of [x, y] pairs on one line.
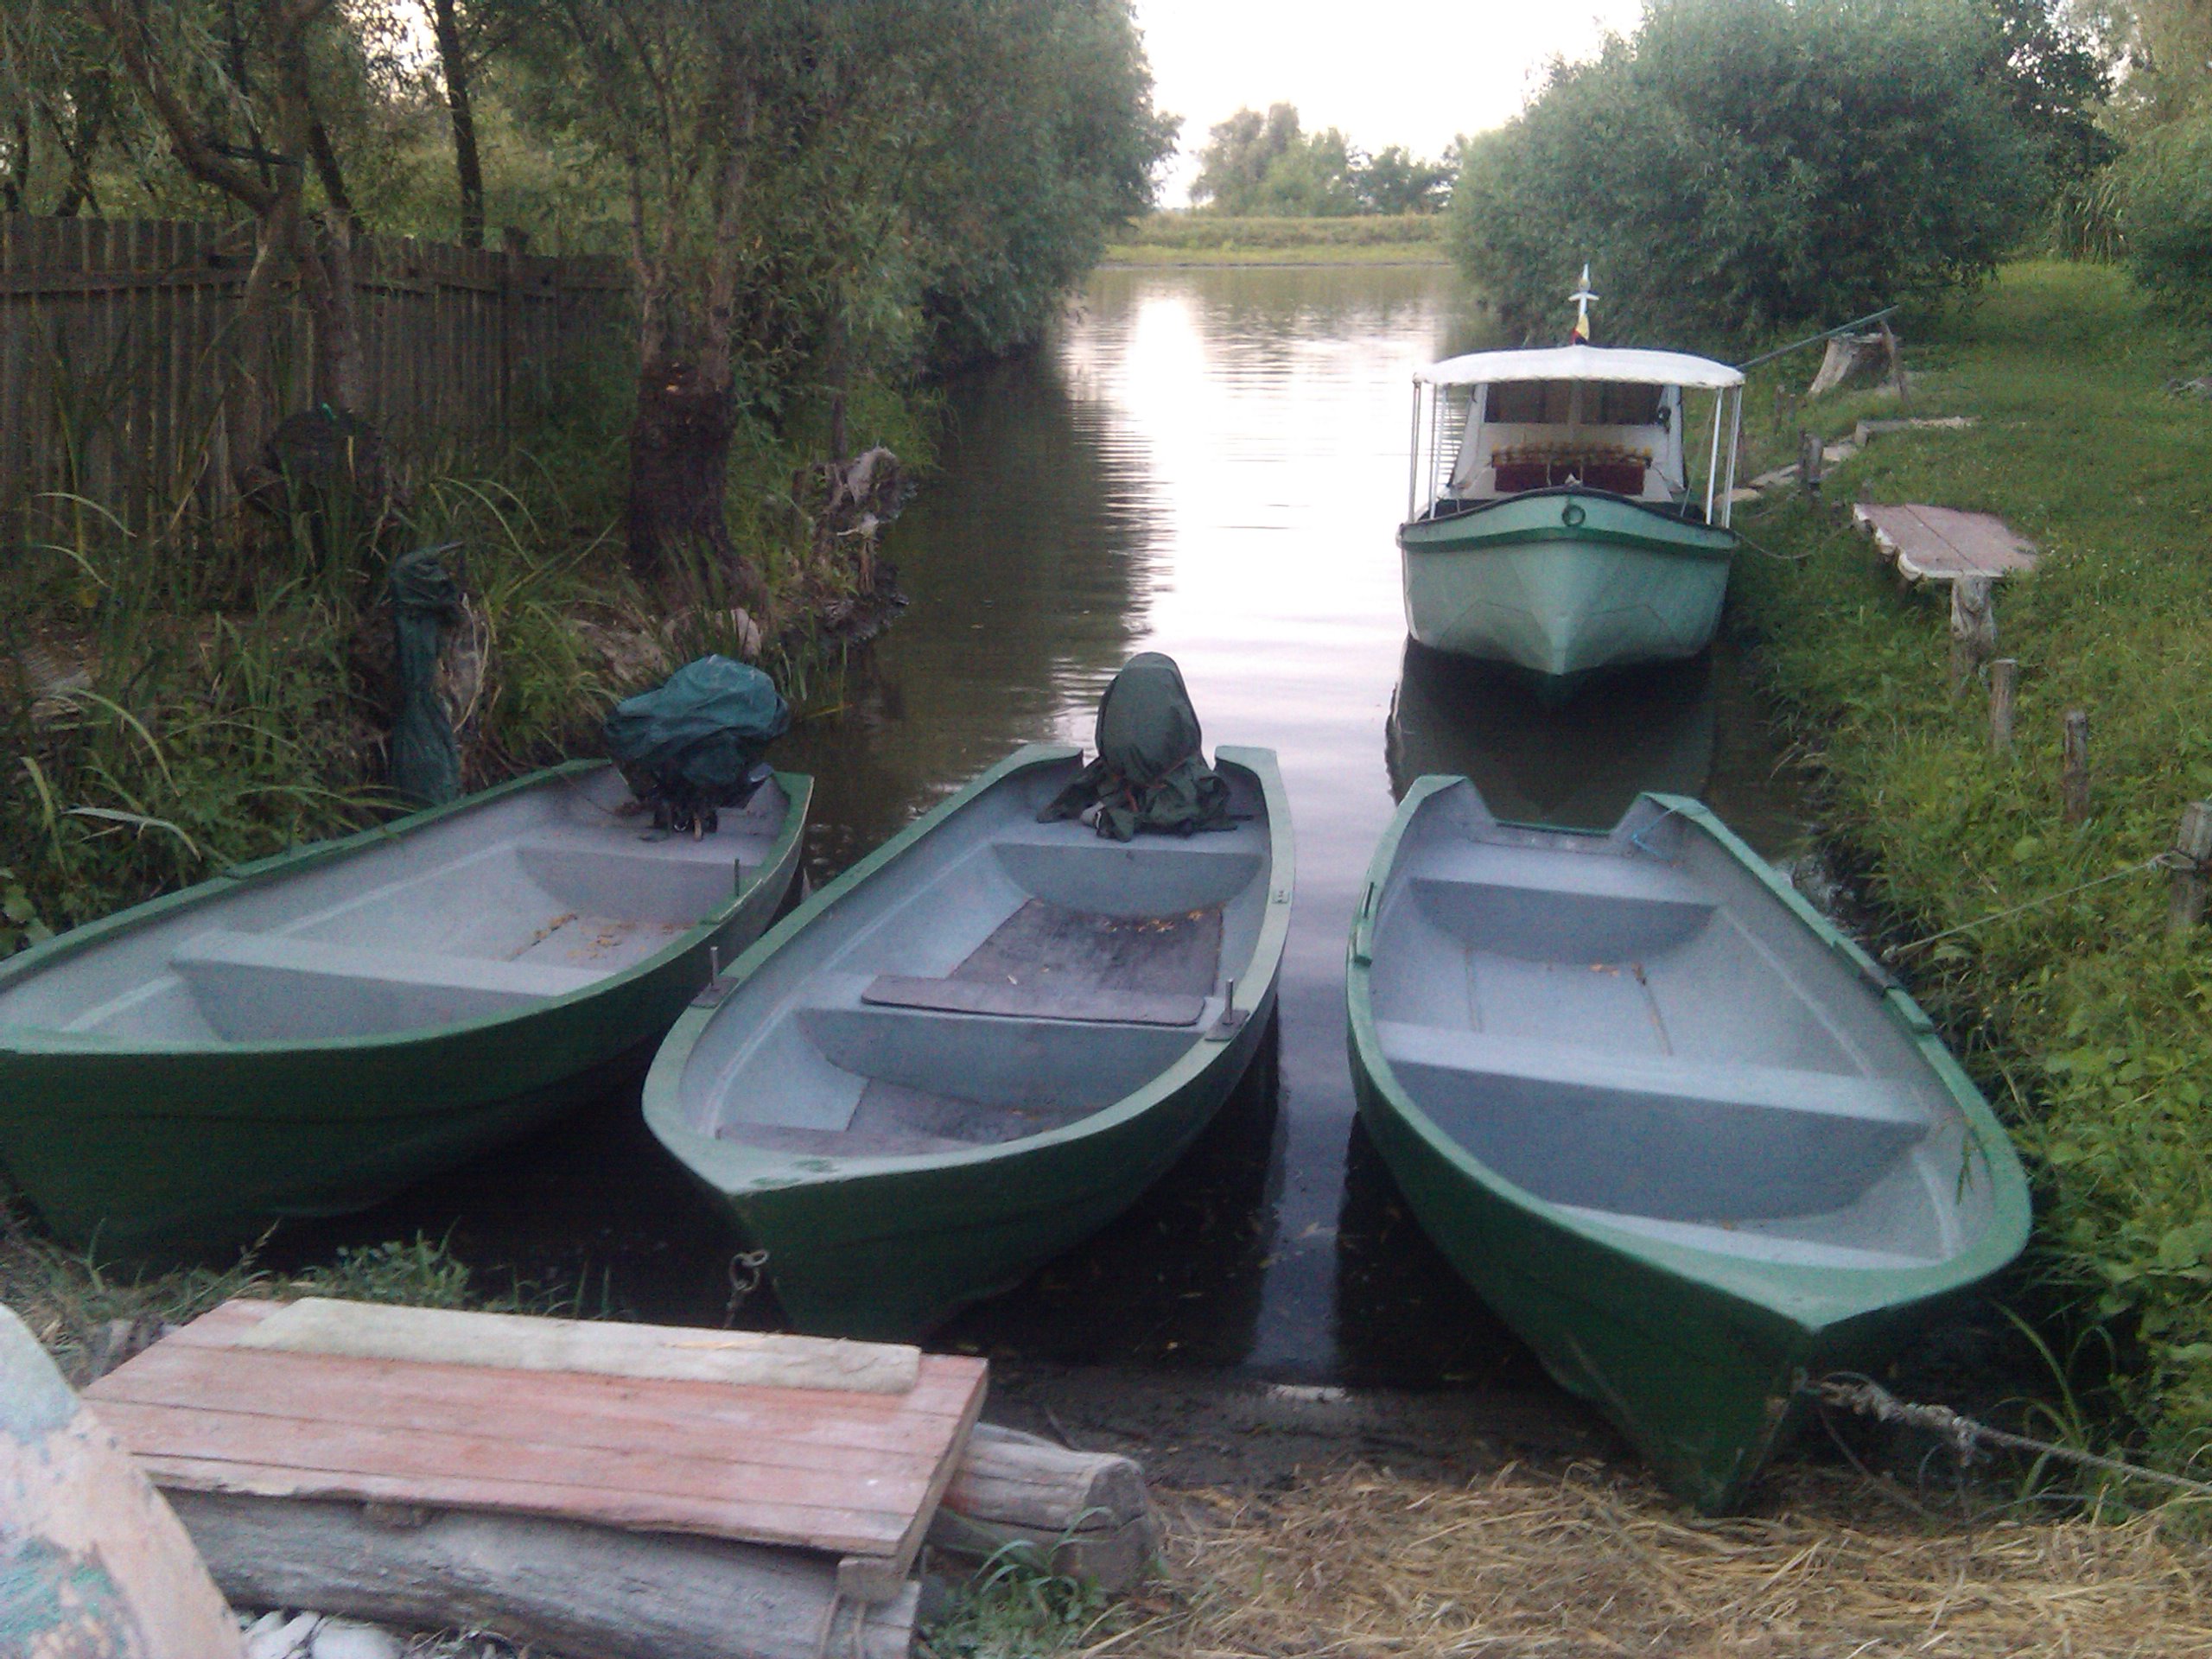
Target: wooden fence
[[118, 340]]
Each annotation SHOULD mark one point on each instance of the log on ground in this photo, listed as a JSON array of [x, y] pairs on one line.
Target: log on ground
[[565, 1586], [1084, 1513]]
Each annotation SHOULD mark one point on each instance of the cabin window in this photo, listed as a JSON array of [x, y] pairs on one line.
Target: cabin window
[[1531, 402], [1551, 402]]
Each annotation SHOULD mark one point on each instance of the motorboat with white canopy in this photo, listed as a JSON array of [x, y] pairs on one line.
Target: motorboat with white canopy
[[1568, 506]]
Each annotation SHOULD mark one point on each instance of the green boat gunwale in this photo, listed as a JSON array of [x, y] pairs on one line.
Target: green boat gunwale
[[1459, 533], [1820, 1288], [798, 791], [764, 1170]]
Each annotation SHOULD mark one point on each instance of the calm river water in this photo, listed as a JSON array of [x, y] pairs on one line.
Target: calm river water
[[1208, 462]]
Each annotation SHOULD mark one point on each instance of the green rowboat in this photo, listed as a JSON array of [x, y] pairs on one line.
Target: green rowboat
[[308, 1034], [979, 1045], [1552, 519], [1687, 1139]]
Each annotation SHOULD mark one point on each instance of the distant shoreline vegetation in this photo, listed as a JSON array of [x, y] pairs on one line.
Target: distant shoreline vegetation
[[1193, 238]]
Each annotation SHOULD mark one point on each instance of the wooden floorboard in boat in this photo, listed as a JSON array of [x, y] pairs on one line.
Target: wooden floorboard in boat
[[855, 1472]]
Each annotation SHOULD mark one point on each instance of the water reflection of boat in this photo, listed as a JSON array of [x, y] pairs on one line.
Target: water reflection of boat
[[1536, 760]]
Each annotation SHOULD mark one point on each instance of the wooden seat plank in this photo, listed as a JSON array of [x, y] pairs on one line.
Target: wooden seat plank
[[854, 1472]]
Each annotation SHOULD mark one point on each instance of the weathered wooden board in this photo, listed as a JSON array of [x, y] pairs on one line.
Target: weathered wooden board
[[851, 1472], [1943, 544], [317, 1325]]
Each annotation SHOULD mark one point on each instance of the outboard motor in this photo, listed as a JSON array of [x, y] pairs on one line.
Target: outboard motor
[[1151, 774], [692, 746]]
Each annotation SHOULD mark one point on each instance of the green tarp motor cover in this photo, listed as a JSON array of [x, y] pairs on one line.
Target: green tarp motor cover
[[693, 743], [425, 601], [1149, 773]]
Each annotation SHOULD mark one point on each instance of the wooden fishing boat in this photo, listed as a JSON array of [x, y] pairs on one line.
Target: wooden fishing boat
[[1552, 520], [307, 1034], [1681, 1133], [979, 1045]]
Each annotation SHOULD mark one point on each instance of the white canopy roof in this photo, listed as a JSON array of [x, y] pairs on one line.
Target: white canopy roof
[[1581, 363]]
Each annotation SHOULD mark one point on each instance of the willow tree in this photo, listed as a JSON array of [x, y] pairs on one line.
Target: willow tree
[[234, 90], [819, 190]]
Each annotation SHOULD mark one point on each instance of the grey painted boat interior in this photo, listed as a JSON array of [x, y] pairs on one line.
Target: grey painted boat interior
[[1635, 1028], [530, 894], [999, 979]]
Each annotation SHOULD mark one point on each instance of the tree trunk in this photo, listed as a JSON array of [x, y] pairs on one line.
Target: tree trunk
[[452, 63], [679, 477], [14, 185]]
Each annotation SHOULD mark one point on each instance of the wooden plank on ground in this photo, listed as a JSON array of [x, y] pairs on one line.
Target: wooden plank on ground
[[1943, 544], [217, 1407]]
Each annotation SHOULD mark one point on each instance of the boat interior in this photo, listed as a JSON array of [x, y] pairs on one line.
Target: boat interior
[[1512, 437], [1000, 979], [1631, 1026], [487, 911]]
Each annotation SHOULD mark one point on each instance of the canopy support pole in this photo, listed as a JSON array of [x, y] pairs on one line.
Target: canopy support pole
[[1713, 464], [1412, 458]]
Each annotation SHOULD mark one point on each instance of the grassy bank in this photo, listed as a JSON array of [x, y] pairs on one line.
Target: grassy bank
[[2089, 1026], [1194, 238]]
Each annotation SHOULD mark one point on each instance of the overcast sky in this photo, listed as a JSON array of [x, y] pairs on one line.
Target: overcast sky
[[1388, 71]]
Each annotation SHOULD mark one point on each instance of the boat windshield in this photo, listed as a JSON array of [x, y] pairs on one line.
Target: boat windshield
[[1562, 402]]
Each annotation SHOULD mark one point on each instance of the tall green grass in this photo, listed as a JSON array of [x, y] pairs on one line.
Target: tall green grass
[[2087, 1024]]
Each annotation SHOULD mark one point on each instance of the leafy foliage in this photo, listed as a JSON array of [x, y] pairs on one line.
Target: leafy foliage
[[1745, 165], [1268, 166], [2056, 72], [2166, 217]]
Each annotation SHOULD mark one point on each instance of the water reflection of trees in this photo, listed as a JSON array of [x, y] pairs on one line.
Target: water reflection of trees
[[1028, 560], [1580, 763]]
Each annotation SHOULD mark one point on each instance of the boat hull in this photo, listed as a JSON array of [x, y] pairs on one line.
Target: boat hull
[[141, 1152], [888, 1247], [1562, 584], [1696, 1357]]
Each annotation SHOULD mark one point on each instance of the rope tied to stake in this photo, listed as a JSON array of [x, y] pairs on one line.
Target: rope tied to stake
[[2162, 862], [1965, 1436]]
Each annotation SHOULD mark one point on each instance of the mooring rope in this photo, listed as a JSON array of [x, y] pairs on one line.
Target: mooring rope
[[1963, 1434], [2157, 863]]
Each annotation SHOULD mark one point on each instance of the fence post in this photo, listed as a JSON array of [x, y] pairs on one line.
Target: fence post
[[2190, 860], [1973, 629], [1811, 453], [2073, 767], [2004, 684]]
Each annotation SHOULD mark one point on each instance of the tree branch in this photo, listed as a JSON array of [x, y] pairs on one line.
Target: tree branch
[[195, 147]]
